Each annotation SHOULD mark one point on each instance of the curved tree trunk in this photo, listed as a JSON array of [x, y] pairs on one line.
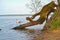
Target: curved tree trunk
[[47, 25], [46, 9], [30, 24]]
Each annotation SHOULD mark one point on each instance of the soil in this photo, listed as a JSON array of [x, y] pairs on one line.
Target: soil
[[49, 35]]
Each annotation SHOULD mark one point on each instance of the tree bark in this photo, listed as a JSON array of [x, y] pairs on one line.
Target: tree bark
[[49, 7], [30, 24], [58, 3]]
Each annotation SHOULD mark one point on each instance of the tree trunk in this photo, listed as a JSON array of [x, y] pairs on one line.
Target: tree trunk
[[58, 3], [30, 24], [47, 25], [49, 7]]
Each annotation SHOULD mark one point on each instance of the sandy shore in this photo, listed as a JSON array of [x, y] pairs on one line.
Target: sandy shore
[[49, 35]]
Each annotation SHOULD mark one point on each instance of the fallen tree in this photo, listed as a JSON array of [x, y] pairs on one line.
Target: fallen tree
[[46, 10]]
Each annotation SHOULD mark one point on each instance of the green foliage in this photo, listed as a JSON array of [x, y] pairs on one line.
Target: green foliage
[[56, 22]]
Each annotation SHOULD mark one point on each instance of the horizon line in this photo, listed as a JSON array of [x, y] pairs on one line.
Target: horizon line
[[17, 15]]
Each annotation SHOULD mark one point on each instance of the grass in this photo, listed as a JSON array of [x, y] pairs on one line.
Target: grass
[[56, 22]]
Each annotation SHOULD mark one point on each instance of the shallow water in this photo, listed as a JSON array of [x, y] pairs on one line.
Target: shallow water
[[9, 22]]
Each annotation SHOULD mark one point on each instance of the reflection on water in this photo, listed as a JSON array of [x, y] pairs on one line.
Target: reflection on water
[[7, 33]]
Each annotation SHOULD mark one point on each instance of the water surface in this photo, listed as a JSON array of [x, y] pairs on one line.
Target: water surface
[[9, 22]]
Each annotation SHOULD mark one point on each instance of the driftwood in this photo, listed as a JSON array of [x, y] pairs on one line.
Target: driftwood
[[46, 10]]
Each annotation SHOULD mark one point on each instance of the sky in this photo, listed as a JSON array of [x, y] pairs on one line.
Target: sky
[[8, 7]]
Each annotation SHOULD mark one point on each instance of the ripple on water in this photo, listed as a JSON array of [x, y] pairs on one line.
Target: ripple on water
[[8, 34]]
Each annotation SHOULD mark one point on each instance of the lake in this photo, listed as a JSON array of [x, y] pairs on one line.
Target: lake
[[9, 22]]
